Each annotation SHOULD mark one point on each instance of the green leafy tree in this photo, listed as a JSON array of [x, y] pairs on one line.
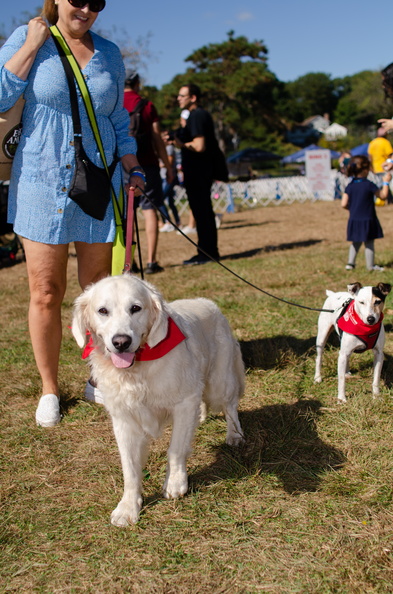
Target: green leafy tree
[[363, 101], [238, 90], [309, 95]]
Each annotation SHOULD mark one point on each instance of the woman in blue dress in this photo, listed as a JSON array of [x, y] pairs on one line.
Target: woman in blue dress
[[39, 206], [359, 199]]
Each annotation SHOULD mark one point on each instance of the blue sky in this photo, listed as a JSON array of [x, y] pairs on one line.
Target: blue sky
[[336, 37]]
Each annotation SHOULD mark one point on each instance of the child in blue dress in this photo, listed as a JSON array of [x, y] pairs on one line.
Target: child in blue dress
[[363, 223]]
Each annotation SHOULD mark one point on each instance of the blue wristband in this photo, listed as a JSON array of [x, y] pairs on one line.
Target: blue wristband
[[139, 174], [385, 183]]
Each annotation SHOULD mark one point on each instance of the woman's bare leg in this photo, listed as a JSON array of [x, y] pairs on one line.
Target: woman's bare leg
[[94, 262], [47, 273]]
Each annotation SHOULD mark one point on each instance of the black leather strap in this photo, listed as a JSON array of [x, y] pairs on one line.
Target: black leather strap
[[72, 88]]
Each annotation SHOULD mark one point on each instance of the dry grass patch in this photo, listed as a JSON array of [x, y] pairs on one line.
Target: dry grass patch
[[304, 506]]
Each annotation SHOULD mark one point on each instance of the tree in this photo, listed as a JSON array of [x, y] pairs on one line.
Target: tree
[[309, 95], [238, 89], [363, 101]]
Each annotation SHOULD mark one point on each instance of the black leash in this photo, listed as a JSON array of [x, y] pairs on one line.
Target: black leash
[[168, 219]]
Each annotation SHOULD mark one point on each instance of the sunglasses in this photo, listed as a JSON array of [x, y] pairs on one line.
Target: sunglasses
[[94, 5]]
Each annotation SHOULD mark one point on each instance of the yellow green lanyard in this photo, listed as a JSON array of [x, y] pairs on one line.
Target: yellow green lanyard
[[118, 205]]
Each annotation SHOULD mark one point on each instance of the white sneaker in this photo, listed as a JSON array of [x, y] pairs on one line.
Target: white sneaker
[[93, 394], [48, 411], [166, 228], [187, 230], [377, 268]]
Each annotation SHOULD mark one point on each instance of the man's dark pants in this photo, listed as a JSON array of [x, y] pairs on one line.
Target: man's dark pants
[[198, 193]]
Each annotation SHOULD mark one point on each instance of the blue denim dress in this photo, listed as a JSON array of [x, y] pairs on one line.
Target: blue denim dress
[[39, 206]]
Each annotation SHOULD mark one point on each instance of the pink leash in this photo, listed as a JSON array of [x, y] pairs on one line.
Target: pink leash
[[129, 231]]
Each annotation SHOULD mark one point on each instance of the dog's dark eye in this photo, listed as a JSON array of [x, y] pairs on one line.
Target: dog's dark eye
[[103, 311], [135, 308], [377, 302], [361, 302]]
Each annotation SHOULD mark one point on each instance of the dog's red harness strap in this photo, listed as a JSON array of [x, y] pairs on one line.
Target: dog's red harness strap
[[88, 348], [174, 337], [351, 323]]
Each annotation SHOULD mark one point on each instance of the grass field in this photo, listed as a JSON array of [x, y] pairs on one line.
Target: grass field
[[305, 506]]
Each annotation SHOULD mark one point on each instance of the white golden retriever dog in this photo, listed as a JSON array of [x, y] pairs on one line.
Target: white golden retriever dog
[[157, 363]]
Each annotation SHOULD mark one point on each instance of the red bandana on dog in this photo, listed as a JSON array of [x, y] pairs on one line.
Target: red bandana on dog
[[174, 337], [351, 323]]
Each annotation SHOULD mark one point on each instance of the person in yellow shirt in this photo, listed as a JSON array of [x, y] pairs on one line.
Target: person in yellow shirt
[[379, 150]]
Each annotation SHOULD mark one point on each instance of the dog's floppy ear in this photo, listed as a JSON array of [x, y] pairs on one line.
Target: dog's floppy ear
[[385, 288], [79, 322], [159, 328], [354, 288]]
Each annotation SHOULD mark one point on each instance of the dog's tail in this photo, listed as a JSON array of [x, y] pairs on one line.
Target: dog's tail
[[329, 293]]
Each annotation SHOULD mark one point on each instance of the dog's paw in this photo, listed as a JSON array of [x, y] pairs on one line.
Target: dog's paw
[[175, 486], [126, 513], [341, 399], [235, 439], [317, 379]]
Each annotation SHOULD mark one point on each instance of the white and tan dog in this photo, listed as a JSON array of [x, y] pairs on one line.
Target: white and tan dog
[[357, 317], [158, 363]]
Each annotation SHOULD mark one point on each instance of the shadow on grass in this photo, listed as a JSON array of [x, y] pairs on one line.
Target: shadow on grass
[[69, 402], [278, 351], [387, 371], [239, 224], [272, 248], [281, 440], [262, 250]]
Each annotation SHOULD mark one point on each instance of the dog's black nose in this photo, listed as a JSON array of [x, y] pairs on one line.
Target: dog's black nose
[[371, 320], [121, 342]]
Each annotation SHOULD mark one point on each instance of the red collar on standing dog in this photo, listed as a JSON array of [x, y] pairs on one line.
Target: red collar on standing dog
[[350, 322]]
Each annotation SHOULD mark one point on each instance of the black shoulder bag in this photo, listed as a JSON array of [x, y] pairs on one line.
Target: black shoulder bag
[[91, 185]]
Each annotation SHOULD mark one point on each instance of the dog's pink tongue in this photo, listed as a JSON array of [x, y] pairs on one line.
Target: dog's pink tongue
[[122, 360]]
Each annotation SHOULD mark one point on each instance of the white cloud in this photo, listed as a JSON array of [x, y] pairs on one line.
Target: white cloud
[[245, 16]]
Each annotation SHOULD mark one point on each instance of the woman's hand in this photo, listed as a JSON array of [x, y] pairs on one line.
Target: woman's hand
[[37, 33], [136, 182], [22, 61]]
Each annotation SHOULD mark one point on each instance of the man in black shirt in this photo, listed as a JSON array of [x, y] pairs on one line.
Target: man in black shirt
[[198, 145]]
